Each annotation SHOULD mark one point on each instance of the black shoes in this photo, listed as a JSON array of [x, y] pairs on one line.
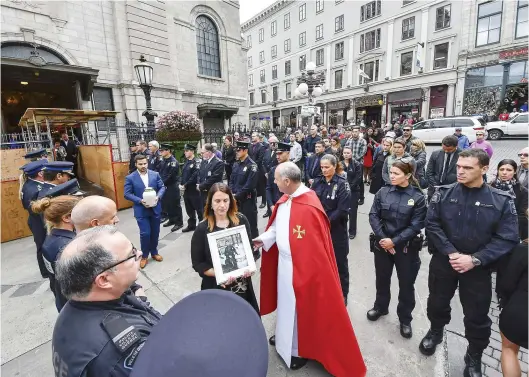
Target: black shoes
[[267, 214], [405, 331], [256, 255], [272, 340], [188, 229], [167, 224], [430, 341], [163, 219], [472, 364], [297, 363], [375, 314], [176, 227], [352, 236], [360, 202], [262, 205]]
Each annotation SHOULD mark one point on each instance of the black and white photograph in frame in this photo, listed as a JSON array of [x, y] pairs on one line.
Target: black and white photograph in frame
[[231, 253]]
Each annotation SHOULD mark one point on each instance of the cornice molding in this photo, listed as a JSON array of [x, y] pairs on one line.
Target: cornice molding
[[268, 12]]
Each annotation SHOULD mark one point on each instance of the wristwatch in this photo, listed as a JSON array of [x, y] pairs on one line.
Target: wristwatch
[[475, 261]]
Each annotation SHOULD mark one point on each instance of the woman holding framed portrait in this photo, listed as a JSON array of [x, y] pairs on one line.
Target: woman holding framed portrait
[[221, 251]]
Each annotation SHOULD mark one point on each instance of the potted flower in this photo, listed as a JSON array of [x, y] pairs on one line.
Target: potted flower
[[178, 128]]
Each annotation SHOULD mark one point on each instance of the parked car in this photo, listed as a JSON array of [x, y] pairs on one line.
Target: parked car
[[434, 130], [517, 126]]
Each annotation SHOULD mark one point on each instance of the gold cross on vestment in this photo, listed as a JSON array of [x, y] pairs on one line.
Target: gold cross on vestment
[[299, 231]]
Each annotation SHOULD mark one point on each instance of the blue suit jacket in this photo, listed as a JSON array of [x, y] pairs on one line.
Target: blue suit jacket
[[134, 189]]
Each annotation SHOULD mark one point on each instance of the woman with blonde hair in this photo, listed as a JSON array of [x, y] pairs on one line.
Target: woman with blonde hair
[[418, 152], [220, 212], [57, 213]]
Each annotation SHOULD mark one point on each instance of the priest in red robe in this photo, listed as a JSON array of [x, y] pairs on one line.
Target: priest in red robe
[[300, 279]]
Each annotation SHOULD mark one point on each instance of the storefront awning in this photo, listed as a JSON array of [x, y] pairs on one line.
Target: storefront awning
[[206, 108], [63, 117], [411, 95]]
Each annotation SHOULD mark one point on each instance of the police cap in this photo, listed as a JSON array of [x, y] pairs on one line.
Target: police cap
[[60, 167], [34, 167], [165, 147], [36, 154], [189, 147], [211, 333], [242, 145], [283, 147], [67, 188]]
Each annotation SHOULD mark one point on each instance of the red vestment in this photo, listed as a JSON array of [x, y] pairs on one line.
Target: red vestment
[[325, 332]]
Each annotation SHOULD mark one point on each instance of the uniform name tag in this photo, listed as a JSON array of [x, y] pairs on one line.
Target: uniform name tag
[[123, 334], [411, 202], [453, 200], [209, 173]]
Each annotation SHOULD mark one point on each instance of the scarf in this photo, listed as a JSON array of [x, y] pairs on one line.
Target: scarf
[[506, 185]]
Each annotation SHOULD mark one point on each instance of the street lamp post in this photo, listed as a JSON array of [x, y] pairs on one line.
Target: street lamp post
[[144, 71], [310, 83]]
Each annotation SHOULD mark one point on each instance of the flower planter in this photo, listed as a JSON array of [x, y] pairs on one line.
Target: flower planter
[[178, 128]]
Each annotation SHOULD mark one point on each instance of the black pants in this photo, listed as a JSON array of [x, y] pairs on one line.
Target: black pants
[[39, 236], [361, 193], [353, 212], [475, 293], [171, 206], [203, 199], [248, 208], [193, 205], [228, 169], [407, 266], [340, 244]]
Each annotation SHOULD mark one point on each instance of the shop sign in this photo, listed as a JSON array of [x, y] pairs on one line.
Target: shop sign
[[415, 110], [404, 104], [513, 54], [374, 100], [338, 105], [437, 112], [405, 96]]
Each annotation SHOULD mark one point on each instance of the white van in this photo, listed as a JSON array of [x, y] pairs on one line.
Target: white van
[[434, 130]]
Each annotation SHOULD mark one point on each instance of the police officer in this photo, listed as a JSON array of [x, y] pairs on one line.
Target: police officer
[[30, 190], [56, 208], [133, 153], [31, 156], [334, 194], [243, 184], [188, 183], [397, 218], [95, 271], [155, 158], [211, 171], [282, 151], [353, 171], [171, 207], [469, 225], [56, 173]]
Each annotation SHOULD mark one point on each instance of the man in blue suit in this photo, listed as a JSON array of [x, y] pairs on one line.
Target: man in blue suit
[[148, 218]]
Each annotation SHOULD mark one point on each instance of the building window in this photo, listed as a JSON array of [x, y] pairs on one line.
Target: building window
[[440, 56], [370, 10], [286, 21], [303, 12], [274, 51], [249, 41], [250, 80], [371, 69], [207, 39], [338, 24], [273, 28], [261, 57], [274, 72], [408, 28], [287, 68], [275, 93], [406, 63], [319, 6], [250, 62], [263, 97], [262, 75], [251, 99], [489, 23], [288, 90], [319, 32], [370, 40], [302, 39], [302, 62], [521, 19], [287, 45], [442, 17], [261, 35], [320, 57], [338, 51], [338, 79]]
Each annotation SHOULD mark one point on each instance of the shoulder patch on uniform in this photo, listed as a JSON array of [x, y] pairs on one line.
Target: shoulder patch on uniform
[[436, 196], [173, 163], [347, 188], [254, 168], [132, 356], [512, 205]]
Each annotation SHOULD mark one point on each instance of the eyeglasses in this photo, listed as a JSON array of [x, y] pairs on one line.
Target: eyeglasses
[[523, 154], [480, 134], [406, 129], [134, 255]]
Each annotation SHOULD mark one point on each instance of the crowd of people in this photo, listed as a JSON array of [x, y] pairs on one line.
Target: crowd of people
[[311, 182]]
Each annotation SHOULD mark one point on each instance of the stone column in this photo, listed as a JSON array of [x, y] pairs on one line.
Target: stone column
[[389, 51], [425, 108], [350, 62], [450, 100]]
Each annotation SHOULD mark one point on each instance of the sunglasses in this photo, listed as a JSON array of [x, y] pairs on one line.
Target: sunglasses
[[134, 254], [480, 134], [523, 155], [406, 129]]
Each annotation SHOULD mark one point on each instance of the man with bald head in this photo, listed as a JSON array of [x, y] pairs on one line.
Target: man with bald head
[[94, 211], [95, 272], [522, 172]]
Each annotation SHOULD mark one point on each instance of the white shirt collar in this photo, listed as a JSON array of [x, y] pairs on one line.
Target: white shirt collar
[[302, 189]]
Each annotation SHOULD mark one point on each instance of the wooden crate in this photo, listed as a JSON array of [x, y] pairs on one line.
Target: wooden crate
[[121, 170], [14, 216]]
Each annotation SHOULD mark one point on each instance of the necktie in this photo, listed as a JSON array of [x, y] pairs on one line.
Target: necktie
[[448, 156]]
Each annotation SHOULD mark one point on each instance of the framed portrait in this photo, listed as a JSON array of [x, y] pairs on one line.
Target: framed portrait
[[231, 253]]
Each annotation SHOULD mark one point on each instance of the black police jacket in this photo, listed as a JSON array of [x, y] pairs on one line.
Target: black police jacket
[[481, 221], [398, 213], [190, 174], [169, 169], [210, 172], [155, 160], [334, 196], [243, 180], [354, 174], [95, 339], [45, 187], [132, 162]]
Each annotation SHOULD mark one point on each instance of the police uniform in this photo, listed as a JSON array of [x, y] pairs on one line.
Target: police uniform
[[272, 191], [30, 192], [211, 171], [192, 200], [154, 161], [335, 197], [132, 161], [397, 213], [481, 222], [114, 332], [64, 167], [354, 178], [171, 207], [31, 156]]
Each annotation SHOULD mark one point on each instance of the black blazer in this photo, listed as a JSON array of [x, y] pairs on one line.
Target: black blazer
[[228, 155], [354, 174], [435, 169], [71, 150], [521, 202], [269, 159]]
